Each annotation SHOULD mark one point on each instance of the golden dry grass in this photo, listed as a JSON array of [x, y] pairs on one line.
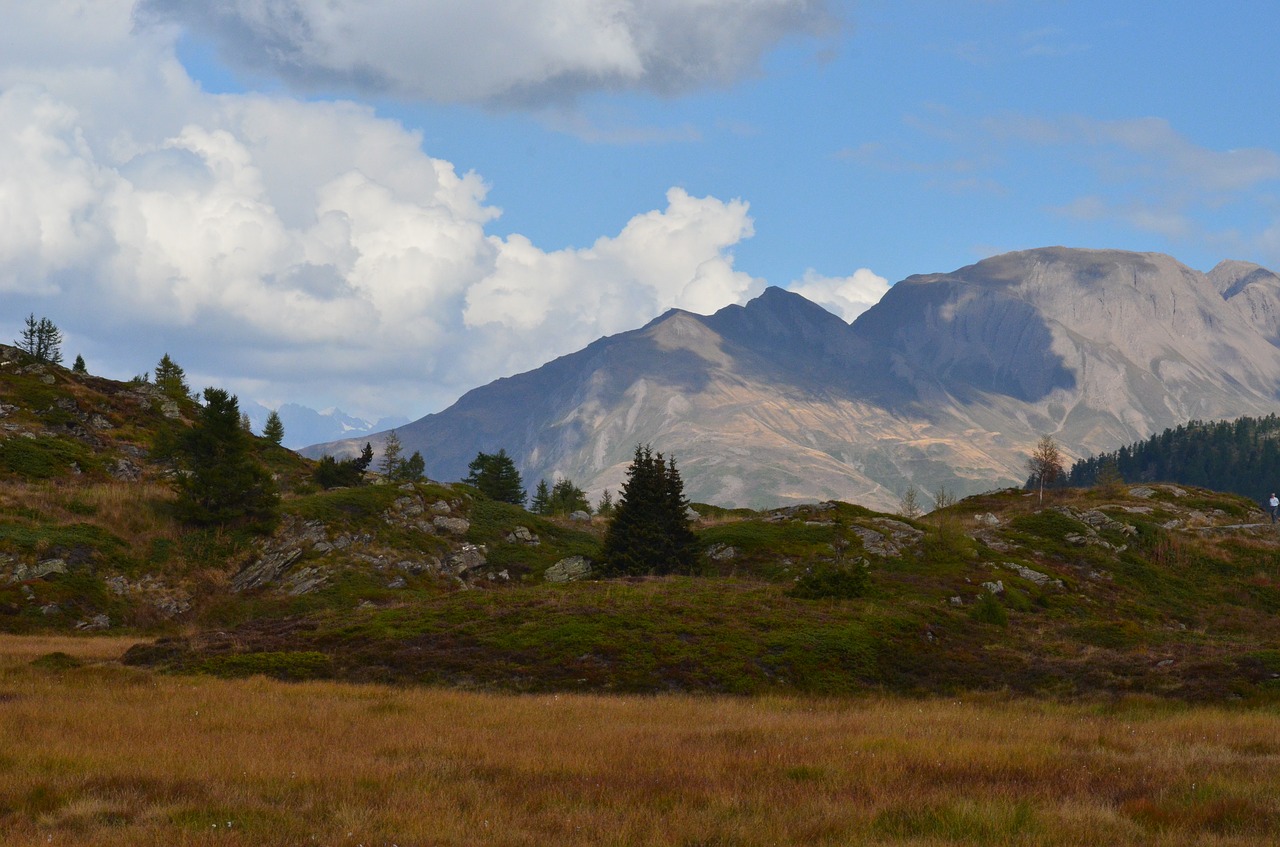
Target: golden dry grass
[[128, 510], [106, 755]]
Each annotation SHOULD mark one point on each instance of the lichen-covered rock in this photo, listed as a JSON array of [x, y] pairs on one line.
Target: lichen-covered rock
[[124, 470], [453, 526], [468, 558], [522, 535], [287, 545], [580, 517], [1032, 575], [40, 570], [569, 570]]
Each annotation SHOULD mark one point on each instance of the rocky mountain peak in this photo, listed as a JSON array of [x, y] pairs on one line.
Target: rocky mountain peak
[[949, 379]]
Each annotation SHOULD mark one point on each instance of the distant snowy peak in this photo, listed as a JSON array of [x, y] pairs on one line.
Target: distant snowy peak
[[304, 425]]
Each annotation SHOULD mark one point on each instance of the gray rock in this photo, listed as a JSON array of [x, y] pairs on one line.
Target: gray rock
[[50, 609], [580, 517], [522, 535], [266, 569], [996, 587], [468, 558], [722, 552], [440, 507], [97, 622], [418, 567], [40, 570], [1142, 492], [453, 526], [692, 514], [987, 519], [957, 600], [305, 581], [397, 582], [891, 541], [571, 569], [408, 506], [1033, 575]]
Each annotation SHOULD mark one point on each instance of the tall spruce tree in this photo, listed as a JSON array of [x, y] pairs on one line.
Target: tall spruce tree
[[171, 378], [220, 482], [567, 498], [541, 503], [273, 430], [650, 532], [496, 476]]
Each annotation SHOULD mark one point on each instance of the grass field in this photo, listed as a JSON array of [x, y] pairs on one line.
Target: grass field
[[94, 753]]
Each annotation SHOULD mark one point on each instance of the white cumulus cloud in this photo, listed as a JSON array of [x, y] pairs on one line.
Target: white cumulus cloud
[[294, 251], [846, 296]]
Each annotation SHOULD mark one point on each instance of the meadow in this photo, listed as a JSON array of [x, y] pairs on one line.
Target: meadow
[[96, 753]]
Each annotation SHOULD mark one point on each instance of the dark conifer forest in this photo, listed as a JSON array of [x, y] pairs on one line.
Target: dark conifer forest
[[1240, 456]]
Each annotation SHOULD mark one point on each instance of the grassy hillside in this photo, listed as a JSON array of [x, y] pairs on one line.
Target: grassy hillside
[[1161, 590]]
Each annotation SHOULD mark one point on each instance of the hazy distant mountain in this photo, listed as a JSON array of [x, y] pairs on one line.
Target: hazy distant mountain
[[947, 381], [303, 426]]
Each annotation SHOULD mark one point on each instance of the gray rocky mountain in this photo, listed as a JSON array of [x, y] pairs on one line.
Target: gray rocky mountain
[[948, 381]]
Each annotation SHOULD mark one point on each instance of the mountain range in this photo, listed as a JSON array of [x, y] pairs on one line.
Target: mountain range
[[304, 425], [947, 382]]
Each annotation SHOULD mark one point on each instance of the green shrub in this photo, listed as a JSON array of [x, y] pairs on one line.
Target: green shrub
[[837, 581], [298, 666], [989, 610]]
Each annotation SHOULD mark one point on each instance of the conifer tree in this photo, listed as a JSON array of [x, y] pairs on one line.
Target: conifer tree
[[567, 498], [171, 378], [41, 340], [390, 455], [496, 476], [411, 469], [366, 458], [605, 508], [273, 430], [1045, 463], [650, 532], [79, 365], [541, 503], [220, 482]]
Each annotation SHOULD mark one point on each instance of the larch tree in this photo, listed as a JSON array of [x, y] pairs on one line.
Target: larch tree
[[1045, 463], [42, 340]]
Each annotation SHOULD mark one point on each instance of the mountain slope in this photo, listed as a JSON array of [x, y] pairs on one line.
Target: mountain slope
[[948, 381]]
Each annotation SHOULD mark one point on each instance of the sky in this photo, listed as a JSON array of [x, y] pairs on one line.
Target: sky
[[378, 205]]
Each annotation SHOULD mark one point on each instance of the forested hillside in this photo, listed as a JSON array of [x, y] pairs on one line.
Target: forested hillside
[[1241, 456]]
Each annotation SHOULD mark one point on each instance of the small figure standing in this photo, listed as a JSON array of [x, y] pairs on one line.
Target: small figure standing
[[1274, 503]]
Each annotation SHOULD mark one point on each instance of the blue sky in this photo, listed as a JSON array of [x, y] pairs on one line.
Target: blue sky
[[379, 206]]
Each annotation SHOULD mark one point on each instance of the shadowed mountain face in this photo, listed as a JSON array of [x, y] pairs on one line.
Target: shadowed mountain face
[[948, 381]]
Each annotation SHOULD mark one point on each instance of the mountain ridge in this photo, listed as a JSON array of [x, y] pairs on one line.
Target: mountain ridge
[[947, 381]]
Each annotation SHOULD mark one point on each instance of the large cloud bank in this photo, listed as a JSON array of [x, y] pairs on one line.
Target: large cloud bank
[[312, 251], [495, 51]]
